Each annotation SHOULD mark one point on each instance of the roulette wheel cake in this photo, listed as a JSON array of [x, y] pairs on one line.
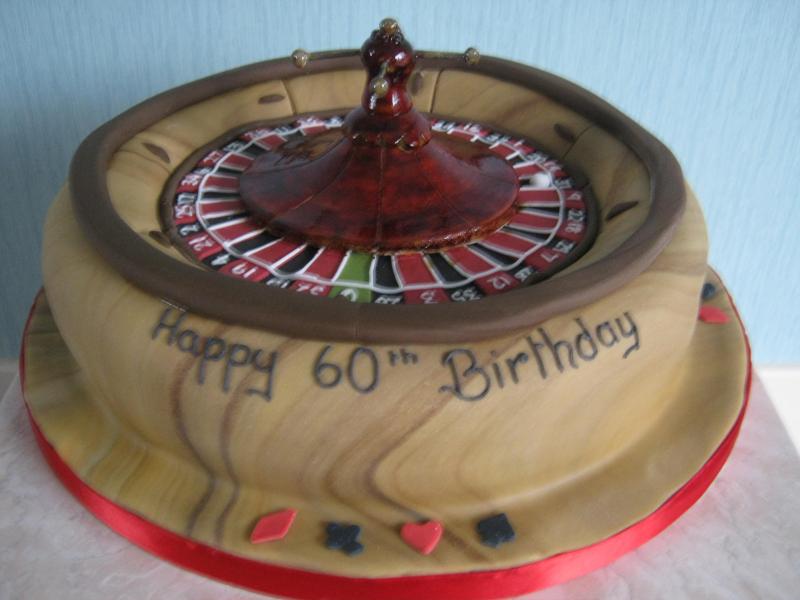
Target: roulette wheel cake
[[382, 323]]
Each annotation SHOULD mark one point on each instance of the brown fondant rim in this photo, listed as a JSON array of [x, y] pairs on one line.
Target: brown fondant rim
[[287, 312]]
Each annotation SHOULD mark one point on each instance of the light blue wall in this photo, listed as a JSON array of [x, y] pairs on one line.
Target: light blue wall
[[718, 81]]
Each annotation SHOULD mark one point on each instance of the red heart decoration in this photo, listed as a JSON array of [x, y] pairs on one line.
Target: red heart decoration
[[273, 526], [423, 537], [712, 314]]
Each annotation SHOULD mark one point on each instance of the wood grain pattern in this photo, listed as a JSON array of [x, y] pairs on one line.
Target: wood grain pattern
[[136, 176], [616, 175], [207, 462], [472, 96], [572, 445]]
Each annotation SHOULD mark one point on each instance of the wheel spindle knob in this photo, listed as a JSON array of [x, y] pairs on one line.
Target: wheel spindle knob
[[472, 56], [300, 58], [389, 26]]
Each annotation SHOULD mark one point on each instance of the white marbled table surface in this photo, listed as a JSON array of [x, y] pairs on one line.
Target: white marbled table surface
[[741, 540]]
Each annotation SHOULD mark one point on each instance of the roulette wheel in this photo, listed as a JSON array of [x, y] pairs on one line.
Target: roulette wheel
[[443, 329], [214, 226]]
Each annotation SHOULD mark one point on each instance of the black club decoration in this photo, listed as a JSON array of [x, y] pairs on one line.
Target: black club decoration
[[709, 290], [344, 537]]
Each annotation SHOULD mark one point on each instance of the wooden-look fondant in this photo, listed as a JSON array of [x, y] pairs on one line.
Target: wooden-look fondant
[[161, 412]]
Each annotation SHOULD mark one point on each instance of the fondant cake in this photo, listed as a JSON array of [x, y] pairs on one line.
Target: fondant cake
[[449, 333]]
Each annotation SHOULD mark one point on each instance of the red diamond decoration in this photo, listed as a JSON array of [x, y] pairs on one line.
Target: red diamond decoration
[[713, 315], [273, 526]]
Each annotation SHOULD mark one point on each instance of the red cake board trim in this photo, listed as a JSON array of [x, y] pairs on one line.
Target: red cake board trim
[[311, 585]]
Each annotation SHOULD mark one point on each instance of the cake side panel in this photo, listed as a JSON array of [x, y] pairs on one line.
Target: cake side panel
[[246, 420]]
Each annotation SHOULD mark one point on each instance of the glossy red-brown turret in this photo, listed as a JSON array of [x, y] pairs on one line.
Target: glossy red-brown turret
[[389, 58], [387, 184], [387, 116]]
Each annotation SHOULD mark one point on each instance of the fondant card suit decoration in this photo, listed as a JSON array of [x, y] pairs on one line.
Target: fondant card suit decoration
[[709, 291], [423, 537], [713, 315], [496, 530], [344, 537], [273, 526]]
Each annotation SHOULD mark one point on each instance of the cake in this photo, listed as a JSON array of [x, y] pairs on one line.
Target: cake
[[451, 333]]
